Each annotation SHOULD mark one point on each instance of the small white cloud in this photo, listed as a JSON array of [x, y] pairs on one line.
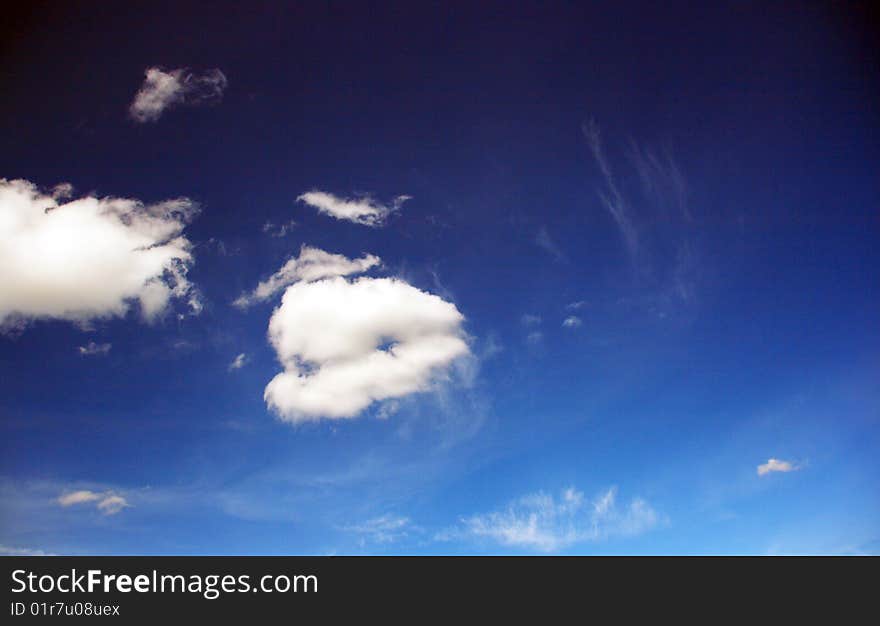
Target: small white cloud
[[572, 321], [776, 465], [108, 503], [95, 349], [363, 210], [89, 258], [545, 523], [574, 306], [112, 504], [311, 264], [238, 362], [163, 90], [530, 320]]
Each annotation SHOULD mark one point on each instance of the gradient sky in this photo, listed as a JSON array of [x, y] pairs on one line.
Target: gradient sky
[[659, 225]]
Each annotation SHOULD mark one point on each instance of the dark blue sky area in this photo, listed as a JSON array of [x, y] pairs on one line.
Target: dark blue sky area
[[659, 221]]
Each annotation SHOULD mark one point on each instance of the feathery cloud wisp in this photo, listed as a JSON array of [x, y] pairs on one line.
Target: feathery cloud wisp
[[383, 529], [163, 90], [363, 210], [311, 264], [238, 362], [572, 321], [95, 349], [546, 523], [108, 503]]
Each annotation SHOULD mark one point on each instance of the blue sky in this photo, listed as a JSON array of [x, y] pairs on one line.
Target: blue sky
[[552, 278]]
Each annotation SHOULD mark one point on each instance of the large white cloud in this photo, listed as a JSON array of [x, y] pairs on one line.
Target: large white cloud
[[363, 210], [345, 344], [90, 257], [311, 264], [162, 90]]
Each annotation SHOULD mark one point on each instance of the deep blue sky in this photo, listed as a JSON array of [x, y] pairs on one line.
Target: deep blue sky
[[743, 327]]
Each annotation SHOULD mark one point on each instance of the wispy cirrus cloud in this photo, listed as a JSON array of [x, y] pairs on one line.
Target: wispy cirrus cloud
[[312, 264], [10, 551], [238, 362], [95, 349], [383, 529], [279, 230], [90, 258], [660, 235], [549, 245], [611, 197], [361, 210], [107, 502], [572, 321], [547, 523], [163, 90]]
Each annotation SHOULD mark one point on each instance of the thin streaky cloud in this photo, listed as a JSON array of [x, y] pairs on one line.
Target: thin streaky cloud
[[549, 245], [572, 321], [312, 264], [238, 362], [546, 523], [361, 210], [611, 197], [95, 349], [107, 502], [384, 529]]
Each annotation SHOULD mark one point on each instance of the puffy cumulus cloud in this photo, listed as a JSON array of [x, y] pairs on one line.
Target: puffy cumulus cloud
[[162, 90], [90, 257], [363, 210], [546, 523], [107, 502], [311, 264], [346, 344], [776, 465]]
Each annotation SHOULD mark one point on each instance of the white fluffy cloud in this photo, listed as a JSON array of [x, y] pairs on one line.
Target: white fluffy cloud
[[363, 210], [311, 264], [107, 502], [776, 465], [545, 523], [345, 344], [90, 257], [162, 90]]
